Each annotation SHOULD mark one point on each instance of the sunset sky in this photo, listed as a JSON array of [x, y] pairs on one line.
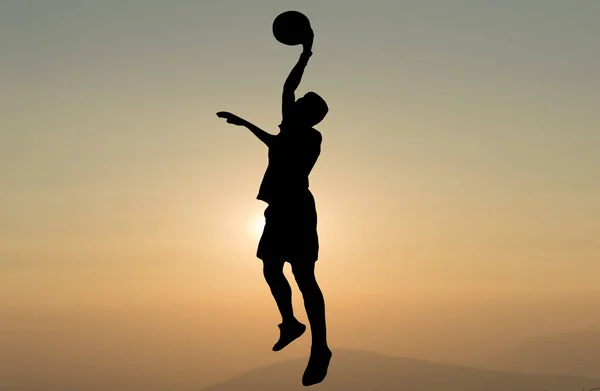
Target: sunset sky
[[458, 185]]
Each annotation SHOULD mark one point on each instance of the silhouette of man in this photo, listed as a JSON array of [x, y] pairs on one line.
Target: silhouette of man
[[290, 232]]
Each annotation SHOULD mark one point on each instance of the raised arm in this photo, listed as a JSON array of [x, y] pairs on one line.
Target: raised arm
[[293, 80], [258, 132]]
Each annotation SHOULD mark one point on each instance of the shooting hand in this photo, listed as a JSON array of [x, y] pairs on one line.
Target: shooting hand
[[309, 41]]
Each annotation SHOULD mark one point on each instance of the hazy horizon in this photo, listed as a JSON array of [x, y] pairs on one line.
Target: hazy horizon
[[458, 188]]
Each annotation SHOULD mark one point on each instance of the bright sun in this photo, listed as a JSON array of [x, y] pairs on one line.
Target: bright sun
[[256, 225]]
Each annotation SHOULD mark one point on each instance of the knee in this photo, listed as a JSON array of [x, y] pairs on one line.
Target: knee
[[272, 270], [305, 276]]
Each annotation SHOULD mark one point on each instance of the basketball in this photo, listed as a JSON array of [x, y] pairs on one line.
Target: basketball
[[291, 28]]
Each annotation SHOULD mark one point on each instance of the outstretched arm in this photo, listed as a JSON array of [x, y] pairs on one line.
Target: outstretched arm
[[258, 132], [293, 80], [261, 134]]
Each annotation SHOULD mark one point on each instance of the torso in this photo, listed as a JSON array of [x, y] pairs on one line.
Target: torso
[[292, 155]]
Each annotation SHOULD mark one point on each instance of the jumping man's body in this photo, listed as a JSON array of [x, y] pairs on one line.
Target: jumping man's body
[[290, 232]]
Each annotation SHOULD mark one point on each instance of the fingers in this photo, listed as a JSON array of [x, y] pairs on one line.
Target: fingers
[[231, 118], [308, 44]]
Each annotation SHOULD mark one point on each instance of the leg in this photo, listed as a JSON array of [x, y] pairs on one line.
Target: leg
[[304, 273], [320, 355], [290, 328], [280, 288]]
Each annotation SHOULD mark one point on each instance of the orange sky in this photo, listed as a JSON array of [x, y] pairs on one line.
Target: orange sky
[[457, 189]]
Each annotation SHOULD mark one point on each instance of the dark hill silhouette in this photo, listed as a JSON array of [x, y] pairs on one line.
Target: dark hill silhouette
[[574, 354], [364, 371]]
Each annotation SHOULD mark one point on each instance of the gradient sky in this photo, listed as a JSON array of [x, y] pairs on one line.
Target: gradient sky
[[460, 167]]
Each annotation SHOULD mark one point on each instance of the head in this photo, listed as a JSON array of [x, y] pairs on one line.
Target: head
[[311, 109]]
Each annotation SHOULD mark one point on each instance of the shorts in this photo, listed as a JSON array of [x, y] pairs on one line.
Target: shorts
[[290, 232]]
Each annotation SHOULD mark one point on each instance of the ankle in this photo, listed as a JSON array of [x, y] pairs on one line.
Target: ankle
[[320, 346], [291, 320]]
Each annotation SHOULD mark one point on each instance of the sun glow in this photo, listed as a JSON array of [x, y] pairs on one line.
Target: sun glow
[[256, 225]]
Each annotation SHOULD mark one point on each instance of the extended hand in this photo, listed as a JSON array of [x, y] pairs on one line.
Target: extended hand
[[231, 118]]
